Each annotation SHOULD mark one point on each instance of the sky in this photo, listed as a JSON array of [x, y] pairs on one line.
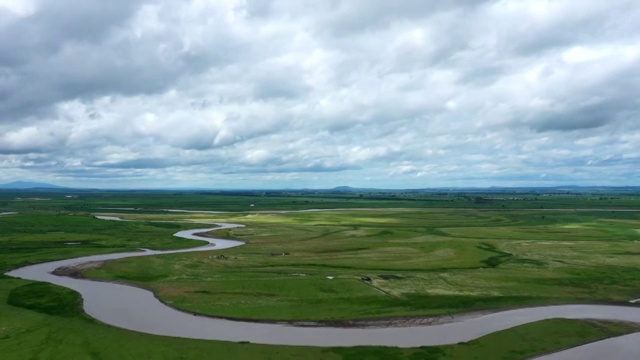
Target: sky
[[317, 94]]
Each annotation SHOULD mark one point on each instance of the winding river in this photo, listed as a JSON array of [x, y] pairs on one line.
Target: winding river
[[136, 309]]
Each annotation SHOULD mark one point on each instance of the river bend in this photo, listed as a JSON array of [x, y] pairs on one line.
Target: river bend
[[136, 309]]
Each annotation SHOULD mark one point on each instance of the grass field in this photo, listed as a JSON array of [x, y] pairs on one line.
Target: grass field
[[43, 237], [151, 201], [420, 261]]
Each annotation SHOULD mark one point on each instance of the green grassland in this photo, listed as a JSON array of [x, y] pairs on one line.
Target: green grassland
[[421, 262], [44, 237], [150, 201]]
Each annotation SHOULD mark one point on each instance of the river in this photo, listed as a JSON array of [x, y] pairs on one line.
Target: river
[[136, 309]]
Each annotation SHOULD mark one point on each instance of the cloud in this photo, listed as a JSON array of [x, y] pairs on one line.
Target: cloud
[[283, 93]]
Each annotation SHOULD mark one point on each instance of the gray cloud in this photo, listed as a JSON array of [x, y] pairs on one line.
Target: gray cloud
[[42, 54], [285, 93], [83, 49], [608, 100], [588, 117]]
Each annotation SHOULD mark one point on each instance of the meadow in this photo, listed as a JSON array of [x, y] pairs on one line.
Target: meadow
[[73, 200], [420, 262]]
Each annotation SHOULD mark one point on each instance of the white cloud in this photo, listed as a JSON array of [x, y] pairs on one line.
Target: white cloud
[[18, 8], [270, 94]]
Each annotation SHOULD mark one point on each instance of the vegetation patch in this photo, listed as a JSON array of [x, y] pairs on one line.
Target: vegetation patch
[[497, 260], [47, 299]]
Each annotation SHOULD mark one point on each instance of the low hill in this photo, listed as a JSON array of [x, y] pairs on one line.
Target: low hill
[[29, 185]]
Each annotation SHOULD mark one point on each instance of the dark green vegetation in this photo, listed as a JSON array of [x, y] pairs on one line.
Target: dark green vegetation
[[47, 299], [149, 201], [420, 261]]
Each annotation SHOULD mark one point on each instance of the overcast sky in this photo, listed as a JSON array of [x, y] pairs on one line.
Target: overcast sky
[[271, 94]]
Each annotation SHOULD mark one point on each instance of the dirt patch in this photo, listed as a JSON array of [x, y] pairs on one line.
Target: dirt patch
[[76, 271], [393, 322], [390, 277], [206, 235]]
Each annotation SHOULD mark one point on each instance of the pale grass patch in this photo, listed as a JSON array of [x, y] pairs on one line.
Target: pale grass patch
[[460, 292], [441, 254], [359, 233], [356, 220], [421, 239]]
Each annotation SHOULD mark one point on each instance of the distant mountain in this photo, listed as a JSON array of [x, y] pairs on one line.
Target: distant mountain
[[29, 185], [573, 189], [343, 188], [350, 188]]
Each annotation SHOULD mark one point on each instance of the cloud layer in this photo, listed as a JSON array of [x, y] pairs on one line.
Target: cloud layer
[[257, 94]]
